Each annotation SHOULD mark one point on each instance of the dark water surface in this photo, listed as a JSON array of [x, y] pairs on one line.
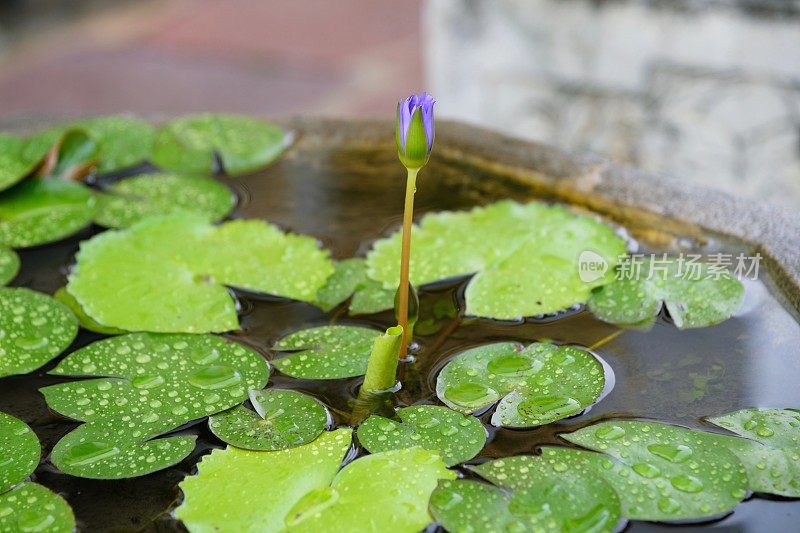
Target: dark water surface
[[349, 198]]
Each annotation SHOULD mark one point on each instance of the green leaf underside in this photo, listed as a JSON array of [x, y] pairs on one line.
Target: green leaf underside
[[285, 419], [535, 385], [299, 489], [85, 321], [39, 211], [536, 495], [326, 352], [19, 452], [9, 265], [770, 449], [34, 328], [152, 383], [128, 201], [19, 158], [120, 276], [524, 257], [692, 300], [660, 472], [244, 144], [454, 436], [122, 141], [32, 507]]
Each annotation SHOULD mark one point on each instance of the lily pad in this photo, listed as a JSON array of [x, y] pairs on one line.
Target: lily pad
[[456, 437], [282, 419], [19, 452], [525, 257], [120, 276], [243, 491], [770, 451], [348, 274], [244, 144], [370, 297], [75, 157], [39, 211], [32, 507], [19, 158], [128, 201], [122, 141], [34, 328], [694, 299], [152, 384], [536, 385], [326, 352], [84, 320], [660, 472], [9, 265]]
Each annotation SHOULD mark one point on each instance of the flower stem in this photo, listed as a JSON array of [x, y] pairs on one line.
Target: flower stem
[[405, 260], [382, 366]]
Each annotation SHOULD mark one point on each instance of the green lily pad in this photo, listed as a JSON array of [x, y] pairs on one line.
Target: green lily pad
[[525, 257], [19, 452], [344, 281], [536, 385], [84, 320], [244, 144], [660, 472], [19, 158], [120, 276], [770, 451], [693, 299], [370, 297], [32, 507], [35, 329], [9, 265], [39, 211], [152, 384], [122, 141], [243, 491], [77, 153], [282, 419], [128, 201], [463, 506], [326, 352], [456, 437]]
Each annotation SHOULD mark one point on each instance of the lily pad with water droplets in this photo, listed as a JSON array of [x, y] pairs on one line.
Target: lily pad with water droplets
[[20, 157], [660, 472], [770, 450], [19, 452], [152, 383], [695, 297], [348, 274], [326, 352], [244, 491], [456, 437], [34, 328], [244, 144], [130, 200], [39, 211], [32, 507], [9, 264], [525, 257], [120, 276], [282, 419], [535, 385], [84, 320]]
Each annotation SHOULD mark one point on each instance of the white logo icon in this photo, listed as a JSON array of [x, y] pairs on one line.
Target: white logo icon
[[591, 266]]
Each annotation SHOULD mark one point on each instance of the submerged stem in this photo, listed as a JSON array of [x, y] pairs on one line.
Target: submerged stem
[[405, 260]]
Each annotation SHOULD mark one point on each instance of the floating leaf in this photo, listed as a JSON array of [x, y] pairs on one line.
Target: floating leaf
[[9, 264], [129, 200], [535, 385], [73, 156], [283, 419], [660, 472], [19, 452], [19, 158], [122, 141], [348, 274], [695, 297], [772, 457], [241, 491], [32, 507], [370, 297], [120, 276], [34, 328], [326, 352], [456, 437], [153, 384], [84, 320], [39, 211], [463, 506], [244, 144], [525, 257]]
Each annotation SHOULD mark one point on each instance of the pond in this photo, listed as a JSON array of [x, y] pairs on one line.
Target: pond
[[348, 197]]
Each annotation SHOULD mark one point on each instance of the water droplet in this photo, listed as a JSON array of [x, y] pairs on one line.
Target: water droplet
[[30, 521], [470, 394], [609, 432], [147, 382], [764, 431], [668, 505], [509, 364], [31, 343], [646, 470], [675, 453], [312, 503], [543, 408], [687, 483], [215, 377], [89, 452]]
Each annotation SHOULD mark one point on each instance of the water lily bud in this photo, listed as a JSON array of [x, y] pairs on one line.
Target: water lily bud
[[414, 129]]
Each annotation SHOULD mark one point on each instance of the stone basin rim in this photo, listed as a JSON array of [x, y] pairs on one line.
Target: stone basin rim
[[620, 192]]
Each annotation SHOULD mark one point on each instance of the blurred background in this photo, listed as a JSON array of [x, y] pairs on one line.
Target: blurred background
[[704, 90]]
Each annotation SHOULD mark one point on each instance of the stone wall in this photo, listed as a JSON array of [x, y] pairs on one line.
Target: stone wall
[[696, 89]]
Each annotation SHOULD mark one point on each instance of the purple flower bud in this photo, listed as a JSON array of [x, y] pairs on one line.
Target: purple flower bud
[[414, 129]]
